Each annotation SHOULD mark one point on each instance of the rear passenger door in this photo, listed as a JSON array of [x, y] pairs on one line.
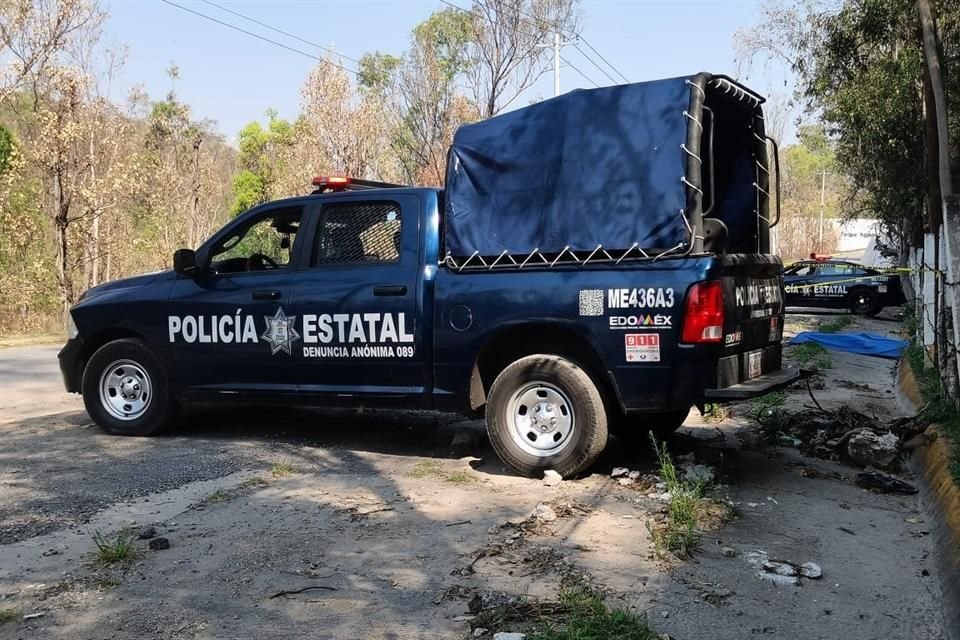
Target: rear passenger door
[[358, 300]]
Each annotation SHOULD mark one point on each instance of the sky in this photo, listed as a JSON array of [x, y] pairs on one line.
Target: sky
[[233, 78]]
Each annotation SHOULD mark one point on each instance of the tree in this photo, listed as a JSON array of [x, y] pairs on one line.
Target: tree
[[259, 161], [506, 53]]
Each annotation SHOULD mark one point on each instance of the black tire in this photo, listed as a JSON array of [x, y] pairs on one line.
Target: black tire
[[637, 429], [863, 302], [567, 385], [151, 407]]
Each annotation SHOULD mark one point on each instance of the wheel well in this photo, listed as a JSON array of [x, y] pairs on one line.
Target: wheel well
[[90, 345], [512, 344]]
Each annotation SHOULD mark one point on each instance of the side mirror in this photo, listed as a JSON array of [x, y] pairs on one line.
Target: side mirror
[[185, 262]]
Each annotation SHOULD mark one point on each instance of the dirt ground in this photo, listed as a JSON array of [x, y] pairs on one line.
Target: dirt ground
[[387, 525]]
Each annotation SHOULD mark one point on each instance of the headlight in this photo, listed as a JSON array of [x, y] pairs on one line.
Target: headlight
[[72, 331]]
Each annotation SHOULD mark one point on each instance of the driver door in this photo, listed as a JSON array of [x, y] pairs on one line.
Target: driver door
[[228, 326]]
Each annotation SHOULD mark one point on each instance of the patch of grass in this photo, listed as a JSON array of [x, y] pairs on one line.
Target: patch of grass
[[772, 400], [811, 352], [9, 615], [837, 324], [218, 496], [252, 483], [117, 548], [433, 469], [939, 408], [459, 477], [681, 532], [588, 618], [713, 412], [281, 469]]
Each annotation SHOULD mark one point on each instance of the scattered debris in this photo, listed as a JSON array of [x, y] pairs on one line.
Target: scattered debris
[[728, 552], [624, 481], [884, 483], [146, 533], [543, 513], [698, 474], [475, 605], [504, 635], [619, 472], [159, 544], [458, 523], [845, 530], [296, 591], [782, 572], [551, 478], [869, 449], [479, 632], [34, 616]]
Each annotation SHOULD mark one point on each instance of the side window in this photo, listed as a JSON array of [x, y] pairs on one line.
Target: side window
[[351, 232], [264, 244], [835, 270], [802, 270]]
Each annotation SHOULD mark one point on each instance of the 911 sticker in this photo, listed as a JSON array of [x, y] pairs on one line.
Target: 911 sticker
[[642, 347]]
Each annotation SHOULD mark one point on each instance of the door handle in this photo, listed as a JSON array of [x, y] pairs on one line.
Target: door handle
[[266, 295], [390, 290]]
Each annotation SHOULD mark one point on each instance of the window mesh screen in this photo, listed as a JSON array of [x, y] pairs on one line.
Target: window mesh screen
[[359, 232]]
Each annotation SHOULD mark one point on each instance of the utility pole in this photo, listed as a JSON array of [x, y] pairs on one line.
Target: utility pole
[[558, 44], [823, 205]]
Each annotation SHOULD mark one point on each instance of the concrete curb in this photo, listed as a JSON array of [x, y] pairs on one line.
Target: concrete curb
[[942, 495]]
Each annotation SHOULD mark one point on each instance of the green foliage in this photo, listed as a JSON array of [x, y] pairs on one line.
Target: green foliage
[[810, 353], [7, 146], [681, 534], [939, 408], [377, 71], [9, 614], [115, 549], [590, 619], [260, 161], [444, 37], [837, 324], [249, 190]]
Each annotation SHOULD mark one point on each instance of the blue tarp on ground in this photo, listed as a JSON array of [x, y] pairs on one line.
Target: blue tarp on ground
[[868, 344], [591, 167]]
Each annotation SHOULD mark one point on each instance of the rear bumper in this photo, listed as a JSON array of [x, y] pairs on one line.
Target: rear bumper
[[71, 363], [756, 387]]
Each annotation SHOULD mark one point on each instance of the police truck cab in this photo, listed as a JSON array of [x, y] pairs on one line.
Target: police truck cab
[[597, 262]]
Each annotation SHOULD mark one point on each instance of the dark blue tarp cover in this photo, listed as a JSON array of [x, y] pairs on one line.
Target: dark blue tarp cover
[[869, 344], [590, 167]]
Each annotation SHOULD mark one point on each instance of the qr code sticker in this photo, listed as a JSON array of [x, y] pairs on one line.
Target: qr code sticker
[[591, 302]]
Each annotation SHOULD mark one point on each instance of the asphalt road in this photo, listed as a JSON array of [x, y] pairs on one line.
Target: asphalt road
[[386, 509]]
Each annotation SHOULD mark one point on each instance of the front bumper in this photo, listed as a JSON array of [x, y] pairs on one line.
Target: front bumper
[[71, 364]]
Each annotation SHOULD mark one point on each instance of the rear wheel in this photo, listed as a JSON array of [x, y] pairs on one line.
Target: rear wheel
[[863, 302], [125, 389], [545, 412]]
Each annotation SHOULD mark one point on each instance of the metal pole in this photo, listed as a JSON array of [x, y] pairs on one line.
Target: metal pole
[[823, 204], [556, 64]]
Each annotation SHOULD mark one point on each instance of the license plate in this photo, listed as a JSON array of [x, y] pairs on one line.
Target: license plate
[[882, 288], [754, 364]]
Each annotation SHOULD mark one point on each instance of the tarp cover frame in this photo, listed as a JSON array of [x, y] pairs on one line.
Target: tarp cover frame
[[601, 175]]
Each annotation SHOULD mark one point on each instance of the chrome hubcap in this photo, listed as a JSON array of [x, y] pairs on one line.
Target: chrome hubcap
[[125, 390], [542, 419]]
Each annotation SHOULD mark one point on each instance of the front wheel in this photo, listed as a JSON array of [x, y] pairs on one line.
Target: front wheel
[[863, 302], [545, 412], [125, 389]]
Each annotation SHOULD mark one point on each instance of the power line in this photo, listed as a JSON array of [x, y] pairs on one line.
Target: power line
[[257, 35], [617, 71], [599, 68], [534, 18], [280, 31], [582, 74]]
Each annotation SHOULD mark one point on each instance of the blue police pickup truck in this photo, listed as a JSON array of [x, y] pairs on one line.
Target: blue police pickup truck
[[827, 283], [596, 262]]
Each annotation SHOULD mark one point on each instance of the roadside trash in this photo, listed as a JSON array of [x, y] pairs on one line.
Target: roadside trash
[[159, 544], [34, 616], [478, 632], [619, 472], [543, 513], [551, 478], [728, 552], [869, 449], [146, 533], [698, 473], [503, 635], [884, 483], [782, 572]]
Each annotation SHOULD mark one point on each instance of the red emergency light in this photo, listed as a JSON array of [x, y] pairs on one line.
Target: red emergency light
[[819, 257], [333, 183]]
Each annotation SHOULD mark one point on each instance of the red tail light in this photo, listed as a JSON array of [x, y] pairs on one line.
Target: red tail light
[[703, 316]]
